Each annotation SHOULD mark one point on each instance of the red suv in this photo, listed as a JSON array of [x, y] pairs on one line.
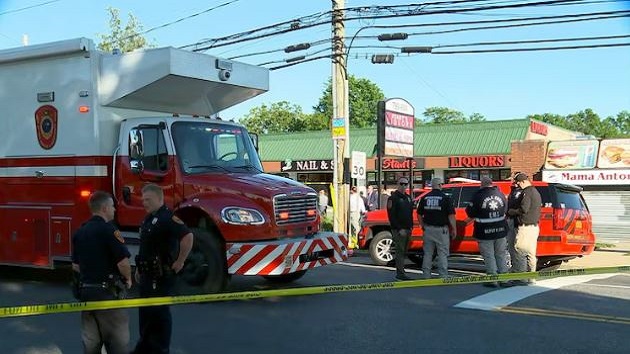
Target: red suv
[[565, 226]]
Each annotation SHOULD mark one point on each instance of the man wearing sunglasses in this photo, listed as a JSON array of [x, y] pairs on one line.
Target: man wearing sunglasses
[[400, 215]]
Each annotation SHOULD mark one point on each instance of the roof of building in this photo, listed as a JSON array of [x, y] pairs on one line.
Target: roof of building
[[481, 138]]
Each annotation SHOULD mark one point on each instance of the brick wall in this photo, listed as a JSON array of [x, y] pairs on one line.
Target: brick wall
[[528, 156]]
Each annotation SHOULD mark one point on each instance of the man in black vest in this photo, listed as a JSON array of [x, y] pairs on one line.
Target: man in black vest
[[488, 208], [436, 216], [400, 215]]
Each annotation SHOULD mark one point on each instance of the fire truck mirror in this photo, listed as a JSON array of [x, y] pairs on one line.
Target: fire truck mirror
[[136, 145], [136, 150]]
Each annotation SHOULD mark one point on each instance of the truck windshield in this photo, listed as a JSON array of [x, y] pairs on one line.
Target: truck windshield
[[202, 147]]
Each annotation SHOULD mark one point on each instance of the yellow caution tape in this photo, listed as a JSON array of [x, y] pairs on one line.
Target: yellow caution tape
[[31, 310]]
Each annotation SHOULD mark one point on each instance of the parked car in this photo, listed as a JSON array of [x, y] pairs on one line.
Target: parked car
[[565, 226]]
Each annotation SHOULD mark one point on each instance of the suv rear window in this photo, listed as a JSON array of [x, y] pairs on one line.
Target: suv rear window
[[545, 196], [570, 200], [453, 193]]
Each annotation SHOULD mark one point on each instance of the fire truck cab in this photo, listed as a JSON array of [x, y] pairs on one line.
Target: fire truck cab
[[76, 120]]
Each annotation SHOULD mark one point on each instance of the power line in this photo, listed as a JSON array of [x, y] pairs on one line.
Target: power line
[[594, 16], [535, 41], [508, 50], [229, 40], [180, 19], [29, 7]]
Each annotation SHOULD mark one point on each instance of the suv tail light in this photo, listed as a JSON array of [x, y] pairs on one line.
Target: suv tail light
[[558, 219]]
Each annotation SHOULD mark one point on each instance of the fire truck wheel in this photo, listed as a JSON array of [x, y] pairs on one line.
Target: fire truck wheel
[[382, 248], [205, 270], [285, 278]]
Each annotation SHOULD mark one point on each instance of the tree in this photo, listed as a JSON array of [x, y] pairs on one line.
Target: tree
[[588, 122], [621, 122], [363, 96], [439, 115], [278, 118], [126, 39]]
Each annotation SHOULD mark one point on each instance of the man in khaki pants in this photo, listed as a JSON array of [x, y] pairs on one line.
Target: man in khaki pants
[[527, 215]]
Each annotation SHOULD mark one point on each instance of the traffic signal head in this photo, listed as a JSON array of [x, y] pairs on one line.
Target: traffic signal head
[[382, 58]]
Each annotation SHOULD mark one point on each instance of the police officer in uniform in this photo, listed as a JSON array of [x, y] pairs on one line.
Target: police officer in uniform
[[101, 259], [165, 243], [488, 208], [436, 216], [400, 215]]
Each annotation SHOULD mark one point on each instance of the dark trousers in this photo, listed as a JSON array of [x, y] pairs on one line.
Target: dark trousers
[[401, 243], [109, 328], [155, 322]]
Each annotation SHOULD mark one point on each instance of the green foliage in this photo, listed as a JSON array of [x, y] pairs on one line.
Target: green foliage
[[326, 224], [440, 115], [282, 117], [589, 123], [363, 96], [125, 38]]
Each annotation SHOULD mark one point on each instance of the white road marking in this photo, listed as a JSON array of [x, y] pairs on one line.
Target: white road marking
[[609, 286], [495, 300]]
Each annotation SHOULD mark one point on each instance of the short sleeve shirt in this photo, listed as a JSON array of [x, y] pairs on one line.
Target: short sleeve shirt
[[160, 234], [97, 247]]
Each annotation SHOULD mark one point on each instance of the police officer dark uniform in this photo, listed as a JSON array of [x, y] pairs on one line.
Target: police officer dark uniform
[[101, 259], [400, 215], [488, 208], [436, 216], [165, 243]]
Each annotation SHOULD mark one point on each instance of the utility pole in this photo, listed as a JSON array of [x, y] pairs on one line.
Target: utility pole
[[341, 144]]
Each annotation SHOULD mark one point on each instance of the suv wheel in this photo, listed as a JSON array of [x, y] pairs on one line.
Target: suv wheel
[[382, 248]]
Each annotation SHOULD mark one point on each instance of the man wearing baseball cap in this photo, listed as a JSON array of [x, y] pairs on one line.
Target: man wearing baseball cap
[[527, 212], [400, 215], [436, 216]]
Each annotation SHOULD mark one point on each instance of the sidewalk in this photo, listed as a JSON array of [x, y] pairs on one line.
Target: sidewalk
[[606, 257]]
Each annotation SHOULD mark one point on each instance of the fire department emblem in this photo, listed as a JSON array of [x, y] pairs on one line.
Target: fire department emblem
[[46, 126]]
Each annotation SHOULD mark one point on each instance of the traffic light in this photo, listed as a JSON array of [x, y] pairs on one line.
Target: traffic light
[[382, 58]]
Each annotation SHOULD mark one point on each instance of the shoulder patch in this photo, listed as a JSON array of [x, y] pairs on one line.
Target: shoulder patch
[[119, 236], [177, 220]]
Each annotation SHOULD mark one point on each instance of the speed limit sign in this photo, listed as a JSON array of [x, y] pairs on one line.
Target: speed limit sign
[[358, 165]]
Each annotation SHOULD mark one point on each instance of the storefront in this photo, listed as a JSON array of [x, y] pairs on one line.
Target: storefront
[[603, 170], [469, 150]]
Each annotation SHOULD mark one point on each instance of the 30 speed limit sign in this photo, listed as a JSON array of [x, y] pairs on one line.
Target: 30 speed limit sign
[[358, 165]]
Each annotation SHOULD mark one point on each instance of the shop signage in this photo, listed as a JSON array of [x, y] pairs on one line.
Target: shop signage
[[397, 119], [485, 161], [614, 153], [571, 155], [289, 165], [538, 128], [400, 164], [588, 177]]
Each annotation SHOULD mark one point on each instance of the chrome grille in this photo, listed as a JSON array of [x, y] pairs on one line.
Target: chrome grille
[[296, 206]]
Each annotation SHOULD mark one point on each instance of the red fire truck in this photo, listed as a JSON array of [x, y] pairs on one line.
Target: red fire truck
[[76, 120]]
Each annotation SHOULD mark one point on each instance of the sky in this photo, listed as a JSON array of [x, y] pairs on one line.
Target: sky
[[496, 85]]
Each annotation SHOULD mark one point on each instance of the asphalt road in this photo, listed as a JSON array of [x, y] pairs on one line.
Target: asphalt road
[[591, 315]]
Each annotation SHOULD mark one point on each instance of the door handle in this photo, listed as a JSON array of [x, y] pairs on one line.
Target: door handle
[[126, 194]]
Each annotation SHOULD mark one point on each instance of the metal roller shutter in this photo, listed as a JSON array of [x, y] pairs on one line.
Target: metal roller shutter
[[611, 214]]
